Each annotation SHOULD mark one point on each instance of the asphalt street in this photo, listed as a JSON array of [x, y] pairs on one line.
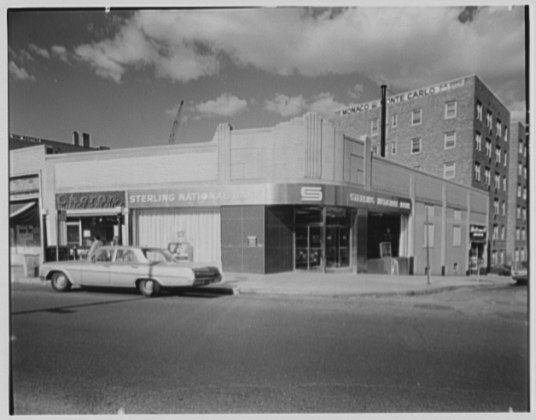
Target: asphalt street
[[97, 352]]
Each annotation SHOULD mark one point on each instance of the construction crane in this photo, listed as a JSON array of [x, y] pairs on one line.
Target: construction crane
[[175, 124]]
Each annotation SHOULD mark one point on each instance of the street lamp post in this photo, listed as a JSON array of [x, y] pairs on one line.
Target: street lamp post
[[427, 246]]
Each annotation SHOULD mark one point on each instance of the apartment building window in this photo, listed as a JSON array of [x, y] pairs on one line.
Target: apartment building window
[[503, 205], [498, 128], [393, 148], [525, 172], [523, 234], [503, 233], [505, 183], [520, 147], [487, 176], [489, 120], [394, 120], [518, 212], [505, 158], [450, 109], [416, 117], [519, 190], [518, 233], [477, 171], [495, 232], [488, 147], [416, 145], [497, 180], [524, 193], [520, 169], [517, 254], [449, 170], [524, 213], [496, 206], [456, 236], [506, 133], [497, 155], [478, 141], [428, 235], [479, 111], [450, 140], [374, 124]]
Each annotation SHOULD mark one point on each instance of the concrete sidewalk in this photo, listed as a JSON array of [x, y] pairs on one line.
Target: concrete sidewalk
[[336, 284], [348, 285]]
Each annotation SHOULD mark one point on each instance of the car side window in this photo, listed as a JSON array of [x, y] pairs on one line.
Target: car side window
[[125, 256], [102, 255]]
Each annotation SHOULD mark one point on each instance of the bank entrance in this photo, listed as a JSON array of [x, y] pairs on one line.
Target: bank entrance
[[322, 237]]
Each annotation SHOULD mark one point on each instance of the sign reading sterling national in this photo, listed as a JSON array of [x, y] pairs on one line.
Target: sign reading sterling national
[[267, 194]]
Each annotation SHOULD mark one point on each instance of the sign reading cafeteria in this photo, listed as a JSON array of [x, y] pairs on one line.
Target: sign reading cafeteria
[[266, 194]]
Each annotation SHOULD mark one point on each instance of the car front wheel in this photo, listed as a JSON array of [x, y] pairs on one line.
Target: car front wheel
[[60, 282], [148, 288]]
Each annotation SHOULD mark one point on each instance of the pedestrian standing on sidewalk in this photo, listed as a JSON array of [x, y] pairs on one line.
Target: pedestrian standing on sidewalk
[[97, 243]]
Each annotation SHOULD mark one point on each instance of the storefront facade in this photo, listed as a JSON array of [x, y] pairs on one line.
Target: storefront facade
[[325, 204], [267, 228]]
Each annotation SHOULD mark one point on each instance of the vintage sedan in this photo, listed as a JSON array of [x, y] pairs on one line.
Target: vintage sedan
[[520, 272], [145, 268]]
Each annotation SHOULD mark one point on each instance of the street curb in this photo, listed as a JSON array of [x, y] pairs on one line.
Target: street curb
[[365, 294]]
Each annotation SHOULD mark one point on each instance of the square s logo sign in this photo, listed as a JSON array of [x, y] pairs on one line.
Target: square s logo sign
[[311, 193]]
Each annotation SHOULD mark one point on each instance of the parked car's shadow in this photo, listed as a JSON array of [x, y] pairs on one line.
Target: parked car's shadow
[[201, 292]]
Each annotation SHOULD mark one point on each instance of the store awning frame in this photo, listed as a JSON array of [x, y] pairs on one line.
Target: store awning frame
[[16, 209]]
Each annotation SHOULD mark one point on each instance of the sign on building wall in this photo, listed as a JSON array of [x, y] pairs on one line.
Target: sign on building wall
[[404, 97], [477, 233], [266, 194], [24, 185], [90, 200]]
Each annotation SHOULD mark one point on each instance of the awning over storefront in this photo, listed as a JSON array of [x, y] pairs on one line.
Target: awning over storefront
[[16, 209]]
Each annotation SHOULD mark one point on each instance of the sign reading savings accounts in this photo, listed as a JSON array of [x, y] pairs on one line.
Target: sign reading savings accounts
[[406, 96], [266, 194]]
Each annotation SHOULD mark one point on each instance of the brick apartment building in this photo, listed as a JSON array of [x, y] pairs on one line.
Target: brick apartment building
[[458, 130], [517, 229]]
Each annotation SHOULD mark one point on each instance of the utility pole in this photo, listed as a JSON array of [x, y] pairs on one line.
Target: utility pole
[[427, 246]]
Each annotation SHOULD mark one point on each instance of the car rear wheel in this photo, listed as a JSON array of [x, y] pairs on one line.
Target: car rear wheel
[[148, 288], [60, 282]]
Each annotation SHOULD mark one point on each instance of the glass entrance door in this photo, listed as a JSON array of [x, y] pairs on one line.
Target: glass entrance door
[[308, 247], [337, 246]]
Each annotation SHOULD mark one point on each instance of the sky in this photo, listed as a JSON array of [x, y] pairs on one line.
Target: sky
[[120, 74]]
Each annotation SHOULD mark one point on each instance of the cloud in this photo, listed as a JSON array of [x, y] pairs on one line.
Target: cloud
[[356, 92], [285, 106], [405, 47], [39, 51], [60, 52], [19, 73], [225, 105]]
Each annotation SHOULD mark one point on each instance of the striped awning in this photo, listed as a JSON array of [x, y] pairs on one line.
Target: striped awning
[[18, 208]]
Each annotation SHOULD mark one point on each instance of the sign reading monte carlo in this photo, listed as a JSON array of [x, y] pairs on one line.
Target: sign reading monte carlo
[[90, 200], [266, 194], [406, 96]]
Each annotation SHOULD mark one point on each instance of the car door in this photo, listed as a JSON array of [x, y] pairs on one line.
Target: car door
[[126, 268], [97, 272]]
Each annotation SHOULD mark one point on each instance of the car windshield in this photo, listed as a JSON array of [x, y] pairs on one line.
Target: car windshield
[[157, 255]]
